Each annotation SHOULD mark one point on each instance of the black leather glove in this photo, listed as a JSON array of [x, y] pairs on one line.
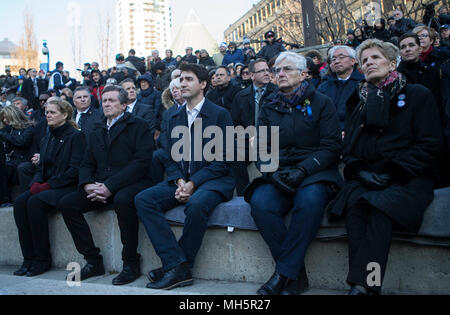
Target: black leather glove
[[289, 180], [374, 181]]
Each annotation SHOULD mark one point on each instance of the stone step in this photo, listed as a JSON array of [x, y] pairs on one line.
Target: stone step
[[53, 283]]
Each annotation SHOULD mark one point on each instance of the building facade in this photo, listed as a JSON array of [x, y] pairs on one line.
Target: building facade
[[143, 25], [261, 18], [333, 18], [7, 59]]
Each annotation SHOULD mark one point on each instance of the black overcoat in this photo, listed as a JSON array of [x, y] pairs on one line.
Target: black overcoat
[[406, 150], [69, 151], [312, 142], [119, 157]]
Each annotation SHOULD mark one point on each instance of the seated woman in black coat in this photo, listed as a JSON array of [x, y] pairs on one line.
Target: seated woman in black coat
[[392, 139], [16, 137], [61, 153], [309, 150]]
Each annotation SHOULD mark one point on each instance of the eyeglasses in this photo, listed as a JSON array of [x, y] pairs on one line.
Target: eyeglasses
[[287, 69], [338, 58], [262, 71], [245, 72], [423, 36]]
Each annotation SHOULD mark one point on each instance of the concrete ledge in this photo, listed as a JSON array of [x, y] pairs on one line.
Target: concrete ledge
[[241, 256]]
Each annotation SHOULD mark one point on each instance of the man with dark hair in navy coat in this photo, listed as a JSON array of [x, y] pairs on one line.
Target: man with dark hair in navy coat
[[199, 184]]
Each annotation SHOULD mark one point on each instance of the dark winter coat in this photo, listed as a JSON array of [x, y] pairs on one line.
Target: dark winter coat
[[68, 146], [207, 62], [152, 98], [340, 91], [313, 143], [402, 26], [406, 150], [89, 120], [422, 73], [243, 107], [119, 157], [271, 50], [236, 57], [17, 143], [223, 96]]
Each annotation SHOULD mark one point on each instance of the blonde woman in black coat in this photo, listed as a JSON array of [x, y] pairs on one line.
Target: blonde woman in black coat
[[57, 175], [392, 139]]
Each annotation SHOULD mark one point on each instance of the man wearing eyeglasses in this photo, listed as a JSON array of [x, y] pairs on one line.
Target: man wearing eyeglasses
[[245, 111], [273, 47], [402, 25], [344, 80]]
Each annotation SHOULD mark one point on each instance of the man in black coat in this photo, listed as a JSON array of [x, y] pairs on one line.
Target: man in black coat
[[189, 57], [116, 167], [402, 25], [245, 111], [86, 116], [32, 88], [137, 107], [224, 93], [138, 63], [199, 184], [273, 47]]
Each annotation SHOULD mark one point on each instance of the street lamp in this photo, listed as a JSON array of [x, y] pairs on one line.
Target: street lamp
[[46, 52]]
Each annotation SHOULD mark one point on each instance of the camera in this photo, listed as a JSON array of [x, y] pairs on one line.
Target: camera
[[85, 73]]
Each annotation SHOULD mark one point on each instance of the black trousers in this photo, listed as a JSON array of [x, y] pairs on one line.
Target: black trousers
[[240, 173], [369, 238], [25, 172], [31, 216], [74, 205], [158, 169]]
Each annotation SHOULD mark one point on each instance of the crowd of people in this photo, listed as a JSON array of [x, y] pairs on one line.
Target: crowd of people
[[363, 133]]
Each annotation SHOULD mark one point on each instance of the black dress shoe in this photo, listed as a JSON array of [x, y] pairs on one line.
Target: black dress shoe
[[24, 269], [180, 276], [155, 275], [274, 286], [38, 268], [91, 270], [129, 274], [297, 287], [356, 291]]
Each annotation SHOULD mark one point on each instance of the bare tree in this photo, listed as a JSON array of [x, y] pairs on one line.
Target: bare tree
[[104, 36], [26, 52], [289, 23]]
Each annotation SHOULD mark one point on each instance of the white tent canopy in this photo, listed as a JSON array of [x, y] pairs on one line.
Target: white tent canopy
[[193, 34]]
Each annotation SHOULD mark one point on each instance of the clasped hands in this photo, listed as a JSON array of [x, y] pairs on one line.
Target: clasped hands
[[184, 191], [97, 192]]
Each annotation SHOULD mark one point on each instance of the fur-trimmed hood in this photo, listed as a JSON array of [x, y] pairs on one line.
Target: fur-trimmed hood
[[167, 99]]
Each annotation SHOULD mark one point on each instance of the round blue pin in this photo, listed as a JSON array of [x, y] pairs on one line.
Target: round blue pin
[[402, 97], [401, 104]]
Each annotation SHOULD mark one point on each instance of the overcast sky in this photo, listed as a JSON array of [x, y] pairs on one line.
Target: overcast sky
[[51, 20]]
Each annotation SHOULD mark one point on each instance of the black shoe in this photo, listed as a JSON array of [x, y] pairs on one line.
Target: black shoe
[[356, 291], [155, 275], [129, 274], [297, 287], [91, 270], [180, 276], [38, 268], [274, 286], [24, 269]]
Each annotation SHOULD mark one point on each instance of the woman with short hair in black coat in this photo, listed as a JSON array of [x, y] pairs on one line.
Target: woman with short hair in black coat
[[392, 139], [309, 150], [57, 175]]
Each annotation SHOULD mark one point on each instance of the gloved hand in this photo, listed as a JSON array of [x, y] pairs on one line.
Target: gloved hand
[[374, 181], [37, 188], [289, 180]]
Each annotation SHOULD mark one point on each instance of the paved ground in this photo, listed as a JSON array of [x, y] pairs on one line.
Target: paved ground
[[53, 283]]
